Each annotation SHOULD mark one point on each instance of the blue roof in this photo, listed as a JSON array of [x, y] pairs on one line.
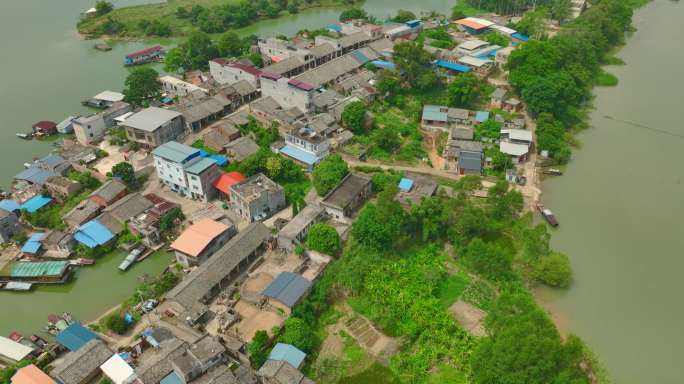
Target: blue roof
[[37, 236], [384, 64], [9, 205], [520, 36], [172, 378], [176, 152], [92, 234], [199, 166], [31, 247], [405, 184], [335, 27], [453, 66], [413, 23], [360, 57], [299, 154], [204, 153], [434, 113], [36, 203], [34, 175], [288, 288], [52, 160], [219, 160], [481, 116], [288, 353], [75, 336]]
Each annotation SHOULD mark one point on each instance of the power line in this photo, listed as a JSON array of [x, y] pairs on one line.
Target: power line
[[646, 127]]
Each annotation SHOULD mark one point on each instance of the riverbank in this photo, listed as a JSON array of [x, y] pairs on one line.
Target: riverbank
[[181, 17]]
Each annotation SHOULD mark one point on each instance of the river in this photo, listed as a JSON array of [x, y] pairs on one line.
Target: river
[[619, 209], [46, 71]]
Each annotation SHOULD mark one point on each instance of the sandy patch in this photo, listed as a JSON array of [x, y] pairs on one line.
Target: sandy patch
[[470, 317]]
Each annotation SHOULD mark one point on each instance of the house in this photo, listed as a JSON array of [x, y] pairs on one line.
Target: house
[[83, 212], [67, 125], [219, 134], [58, 244], [414, 188], [194, 292], [61, 188], [199, 112], [305, 146], [267, 111], [350, 194], [116, 216], [287, 353], [185, 171], [44, 128], [35, 203], [145, 55], [9, 225], [200, 241], [33, 246], [199, 358], [83, 365], [286, 92], [498, 97], [519, 136], [12, 352], [257, 198], [104, 99], [53, 163], [333, 71], [280, 371], [473, 25], [229, 72], [297, 229], [34, 175], [512, 105], [118, 370], [461, 132], [157, 363], [518, 152], [481, 67], [470, 162], [469, 47], [31, 374], [75, 337], [241, 148], [93, 128], [108, 193], [93, 234], [177, 87], [286, 291], [442, 118], [226, 181], [154, 126]]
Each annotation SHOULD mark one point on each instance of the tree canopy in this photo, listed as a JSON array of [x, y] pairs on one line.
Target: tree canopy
[[323, 238], [125, 172], [354, 116], [328, 173], [353, 13], [141, 86], [464, 91], [415, 65], [194, 53]]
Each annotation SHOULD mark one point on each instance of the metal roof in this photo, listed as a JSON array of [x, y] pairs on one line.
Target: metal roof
[[36, 203], [92, 234], [513, 149], [470, 160], [435, 113], [13, 350], [199, 166], [35, 175], [453, 66], [109, 96], [288, 288], [299, 154], [39, 268], [9, 205], [288, 353], [175, 152], [405, 184], [75, 336], [481, 116], [151, 118]]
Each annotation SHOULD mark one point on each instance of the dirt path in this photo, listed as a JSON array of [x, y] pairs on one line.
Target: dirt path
[[422, 170]]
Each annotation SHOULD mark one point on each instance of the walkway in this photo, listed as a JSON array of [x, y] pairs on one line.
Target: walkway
[[422, 170]]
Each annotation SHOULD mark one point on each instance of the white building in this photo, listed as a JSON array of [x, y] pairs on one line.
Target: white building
[[288, 93], [185, 171], [226, 72], [92, 128], [178, 87]]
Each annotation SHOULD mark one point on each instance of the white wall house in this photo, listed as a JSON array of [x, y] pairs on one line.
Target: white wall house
[[288, 93], [185, 171], [230, 73]]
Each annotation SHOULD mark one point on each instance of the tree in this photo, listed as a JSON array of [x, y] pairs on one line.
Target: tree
[[230, 44], [496, 39], [387, 139], [103, 7], [257, 349], [298, 333], [116, 323], [561, 10], [414, 63], [404, 16], [554, 270], [354, 116], [464, 91], [166, 222], [193, 53], [353, 13], [501, 161], [142, 85], [125, 172], [323, 238], [379, 225], [488, 260], [532, 23], [328, 173]]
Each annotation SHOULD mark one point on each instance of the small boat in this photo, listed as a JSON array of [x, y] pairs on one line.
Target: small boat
[[548, 215], [39, 341], [553, 172], [130, 259], [16, 336], [82, 261], [25, 136], [104, 47]]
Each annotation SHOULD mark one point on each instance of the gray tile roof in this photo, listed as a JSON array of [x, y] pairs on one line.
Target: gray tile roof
[[82, 212], [150, 119], [331, 70], [354, 38], [199, 166], [80, 364], [109, 189], [470, 160], [303, 219], [343, 195], [322, 50], [241, 148], [201, 281], [288, 288], [282, 372], [285, 65], [154, 368], [129, 207]]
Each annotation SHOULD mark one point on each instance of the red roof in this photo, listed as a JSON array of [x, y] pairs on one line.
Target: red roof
[[219, 60], [301, 85], [45, 125], [227, 180], [247, 68], [146, 51], [470, 24], [270, 76]]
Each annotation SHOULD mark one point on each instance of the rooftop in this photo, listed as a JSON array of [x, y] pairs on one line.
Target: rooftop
[[109, 190], [75, 336], [305, 217], [227, 180], [288, 353], [288, 288], [34, 269], [35, 203], [199, 166], [151, 118], [13, 350], [35, 175], [350, 187], [92, 234], [31, 374], [175, 152], [198, 236], [79, 365], [513, 149], [254, 186], [299, 154]]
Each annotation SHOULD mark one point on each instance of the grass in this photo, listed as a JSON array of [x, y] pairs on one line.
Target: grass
[[613, 60], [606, 79], [451, 289], [376, 374], [447, 374]]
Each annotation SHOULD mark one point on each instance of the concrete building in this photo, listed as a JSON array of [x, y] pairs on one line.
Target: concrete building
[[257, 198], [200, 241], [177, 87], [154, 126], [108, 193], [305, 146], [227, 72], [82, 366], [183, 170], [199, 358], [8, 225], [92, 128], [295, 232], [470, 162], [286, 291], [60, 187], [286, 92], [349, 195]]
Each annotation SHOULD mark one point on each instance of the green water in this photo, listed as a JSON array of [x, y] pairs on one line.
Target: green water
[[620, 210], [46, 70]]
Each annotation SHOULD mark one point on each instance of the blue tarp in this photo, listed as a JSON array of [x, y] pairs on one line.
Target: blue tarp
[[204, 153], [34, 175], [9, 205], [520, 36], [31, 247], [452, 66], [481, 116], [92, 234], [299, 155], [36, 203], [219, 160], [172, 378], [288, 353], [384, 64], [360, 57], [75, 336], [335, 27], [405, 184]]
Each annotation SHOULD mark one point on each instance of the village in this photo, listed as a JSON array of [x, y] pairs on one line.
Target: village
[[220, 173]]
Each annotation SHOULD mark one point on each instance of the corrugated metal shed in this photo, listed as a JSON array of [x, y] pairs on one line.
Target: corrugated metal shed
[[75, 336], [288, 353], [288, 288]]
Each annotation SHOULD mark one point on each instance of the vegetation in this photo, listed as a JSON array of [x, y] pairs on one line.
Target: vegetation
[[353, 14], [298, 333], [116, 323], [103, 7], [507, 7], [465, 91], [7, 371], [403, 16], [141, 86], [124, 171], [168, 220], [257, 349], [354, 116], [605, 79], [323, 238], [328, 173]]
